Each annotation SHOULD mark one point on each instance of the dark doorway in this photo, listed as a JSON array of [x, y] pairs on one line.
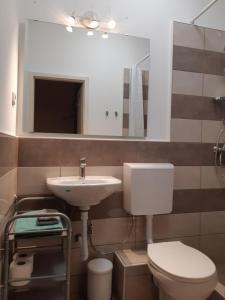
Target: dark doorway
[[58, 106]]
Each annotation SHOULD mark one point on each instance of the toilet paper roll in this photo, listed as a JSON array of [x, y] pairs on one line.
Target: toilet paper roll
[[24, 256], [20, 269]]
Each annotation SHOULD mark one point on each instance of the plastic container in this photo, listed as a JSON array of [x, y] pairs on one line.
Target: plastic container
[[100, 279]]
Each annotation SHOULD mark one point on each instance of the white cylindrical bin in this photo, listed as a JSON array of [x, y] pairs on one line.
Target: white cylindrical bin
[[100, 279]]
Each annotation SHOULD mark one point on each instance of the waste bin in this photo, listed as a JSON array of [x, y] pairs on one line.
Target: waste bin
[[100, 279]]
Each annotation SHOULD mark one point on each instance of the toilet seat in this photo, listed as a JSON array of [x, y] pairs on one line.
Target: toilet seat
[[181, 262]]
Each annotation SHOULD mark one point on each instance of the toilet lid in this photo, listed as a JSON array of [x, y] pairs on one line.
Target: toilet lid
[[181, 261]]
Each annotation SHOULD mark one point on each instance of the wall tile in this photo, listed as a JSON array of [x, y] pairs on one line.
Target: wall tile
[[214, 40], [32, 180], [196, 107], [188, 35], [213, 222], [214, 86], [188, 59], [187, 83], [170, 226], [212, 178], [213, 246], [8, 190], [187, 178], [211, 130], [184, 130], [113, 231], [199, 200]]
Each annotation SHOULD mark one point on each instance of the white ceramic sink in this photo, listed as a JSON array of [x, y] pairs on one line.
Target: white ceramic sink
[[83, 192]]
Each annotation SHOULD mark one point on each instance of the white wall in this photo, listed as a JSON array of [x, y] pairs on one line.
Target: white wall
[[147, 18], [8, 64], [50, 49]]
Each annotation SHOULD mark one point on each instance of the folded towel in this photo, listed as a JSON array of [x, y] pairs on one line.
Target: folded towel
[[23, 225]]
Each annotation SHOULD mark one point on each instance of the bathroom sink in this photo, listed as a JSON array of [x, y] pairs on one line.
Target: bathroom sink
[[83, 192]]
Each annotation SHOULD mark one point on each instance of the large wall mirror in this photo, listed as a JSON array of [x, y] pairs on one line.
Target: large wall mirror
[[79, 84]]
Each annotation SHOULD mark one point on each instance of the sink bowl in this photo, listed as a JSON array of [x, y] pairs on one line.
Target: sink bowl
[[83, 192]]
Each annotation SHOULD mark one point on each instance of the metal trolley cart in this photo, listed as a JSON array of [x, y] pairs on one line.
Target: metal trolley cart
[[50, 278]]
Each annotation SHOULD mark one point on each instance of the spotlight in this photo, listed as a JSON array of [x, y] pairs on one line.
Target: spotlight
[[105, 35], [90, 33], [69, 28], [111, 24]]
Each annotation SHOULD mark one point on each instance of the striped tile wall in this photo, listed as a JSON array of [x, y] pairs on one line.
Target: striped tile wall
[[126, 87], [198, 77]]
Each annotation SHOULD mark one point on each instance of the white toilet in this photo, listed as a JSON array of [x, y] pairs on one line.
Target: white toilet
[[181, 272]]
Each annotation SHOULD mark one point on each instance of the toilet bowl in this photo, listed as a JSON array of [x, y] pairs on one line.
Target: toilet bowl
[[181, 272]]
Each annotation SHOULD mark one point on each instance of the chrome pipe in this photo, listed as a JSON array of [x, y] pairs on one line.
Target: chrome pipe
[[204, 10]]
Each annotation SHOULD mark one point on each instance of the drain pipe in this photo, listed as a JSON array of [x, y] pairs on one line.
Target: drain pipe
[[149, 229], [84, 238]]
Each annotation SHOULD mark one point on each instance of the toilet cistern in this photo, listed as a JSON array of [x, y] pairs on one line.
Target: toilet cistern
[[82, 169], [148, 191]]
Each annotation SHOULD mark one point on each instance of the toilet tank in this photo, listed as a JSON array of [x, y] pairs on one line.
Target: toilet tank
[[148, 188]]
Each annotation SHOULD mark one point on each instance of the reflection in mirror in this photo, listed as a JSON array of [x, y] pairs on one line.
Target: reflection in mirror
[[85, 85]]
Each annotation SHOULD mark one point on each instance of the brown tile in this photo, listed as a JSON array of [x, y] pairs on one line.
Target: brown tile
[[140, 287], [199, 61], [214, 63], [126, 121], [202, 200], [188, 59], [37, 152], [196, 107], [180, 154], [9, 153], [126, 91]]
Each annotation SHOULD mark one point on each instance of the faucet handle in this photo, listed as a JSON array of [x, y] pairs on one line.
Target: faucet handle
[[83, 160]]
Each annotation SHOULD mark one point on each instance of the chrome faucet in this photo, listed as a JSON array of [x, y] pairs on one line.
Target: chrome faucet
[[82, 167]]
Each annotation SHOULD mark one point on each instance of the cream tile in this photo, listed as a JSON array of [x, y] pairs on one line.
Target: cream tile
[[145, 107], [211, 130], [184, 130], [113, 231], [214, 40], [94, 171], [126, 106], [32, 180], [187, 178], [187, 35], [176, 225], [187, 83], [127, 75], [8, 190], [213, 222], [214, 85], [211, 177], [213, 246]]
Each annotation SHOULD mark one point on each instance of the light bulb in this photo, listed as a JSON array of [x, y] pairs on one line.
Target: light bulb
[[69, 28], [111, 24], [105, 35], [71, 20], [93, 24], [90, 33]]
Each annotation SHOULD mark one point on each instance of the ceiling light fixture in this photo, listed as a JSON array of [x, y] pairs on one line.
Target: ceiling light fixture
[[105, 35], [91, 22]]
